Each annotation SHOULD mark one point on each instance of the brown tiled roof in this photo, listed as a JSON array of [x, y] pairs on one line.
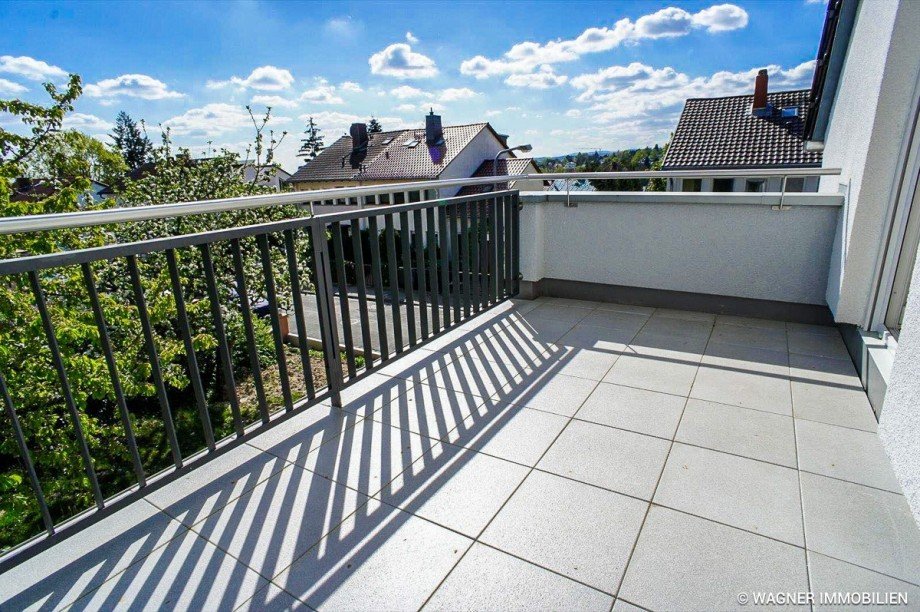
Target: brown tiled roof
[[388, 157], [514, 165], [722, 133]]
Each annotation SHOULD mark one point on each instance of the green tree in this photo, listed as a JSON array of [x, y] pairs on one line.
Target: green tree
[[66, 156], [312, 145], [130, 141], [373, 126]]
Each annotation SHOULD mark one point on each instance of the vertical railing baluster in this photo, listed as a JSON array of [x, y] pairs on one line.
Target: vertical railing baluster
[[58, 362], [358, 249], [26, 457], [338, 252], [106, 345], [303, 344], [465, 257], [515, 244], [455, 260], [393, 270], [484, 253], [326, 313], [275, 316], [431, 238], [493, 251], [444, 234], [377, 272], [243, 293], [223, 347], [500, 248], [156, 371], [509, 237], [474, 248], [186, 333], [407, 274], [420, 274]]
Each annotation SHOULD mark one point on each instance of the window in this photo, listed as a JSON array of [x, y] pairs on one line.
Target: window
[[754, 185], [721, 185], [692, 185], [795, 184]]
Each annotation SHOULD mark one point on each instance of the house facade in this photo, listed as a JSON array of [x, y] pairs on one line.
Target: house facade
[[763, 130]]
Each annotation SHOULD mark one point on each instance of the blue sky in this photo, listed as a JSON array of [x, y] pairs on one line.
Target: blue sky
[[564, 76]]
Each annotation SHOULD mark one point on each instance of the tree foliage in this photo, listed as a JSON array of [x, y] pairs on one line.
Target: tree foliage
[[312, 144], [373, 126], [130, 141]]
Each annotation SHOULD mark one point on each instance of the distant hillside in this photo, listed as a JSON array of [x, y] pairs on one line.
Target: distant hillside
[[645, 158]]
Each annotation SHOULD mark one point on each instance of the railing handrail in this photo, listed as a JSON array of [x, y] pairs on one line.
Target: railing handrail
[[37, 223]]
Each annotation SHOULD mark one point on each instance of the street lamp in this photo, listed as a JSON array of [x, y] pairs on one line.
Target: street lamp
[[524, 148]]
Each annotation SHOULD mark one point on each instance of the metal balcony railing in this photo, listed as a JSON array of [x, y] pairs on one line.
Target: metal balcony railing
[[412, 271]]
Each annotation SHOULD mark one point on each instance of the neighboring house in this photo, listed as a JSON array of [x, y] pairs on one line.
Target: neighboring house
[[271, 175], [573, 185], [432, 153], [764, 130], [37, 189], [505, 167]]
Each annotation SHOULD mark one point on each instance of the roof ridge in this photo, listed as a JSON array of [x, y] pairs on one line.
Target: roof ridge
[[750, 95]]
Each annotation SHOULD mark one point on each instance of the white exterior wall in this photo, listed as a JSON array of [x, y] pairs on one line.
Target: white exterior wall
[[867, 128], [739, 247], [483, 146], [774, 184]]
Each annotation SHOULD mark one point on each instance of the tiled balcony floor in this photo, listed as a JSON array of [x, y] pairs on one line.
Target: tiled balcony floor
[[546, 455]]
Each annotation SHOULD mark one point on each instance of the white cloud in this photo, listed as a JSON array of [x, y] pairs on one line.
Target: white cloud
[[350, 86], [322, 93], [493, 113], [411, 38], [343, 27], [544, 78], [9, 87], [456, 93], [30, 68], [274, 101], [86, 123], [263, 78], [131, 86], [526, 56], [213, 119], [335, 123], [406, 92], [400, 61], [406, 108], [574, 113]]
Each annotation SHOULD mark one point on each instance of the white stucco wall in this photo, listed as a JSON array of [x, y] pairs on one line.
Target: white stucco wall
[[483, 146], [683, 242], [867, 128], [899, 426]]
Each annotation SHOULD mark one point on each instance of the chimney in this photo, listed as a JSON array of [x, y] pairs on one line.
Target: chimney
[[434, 134], [359, 142], [760, 106]]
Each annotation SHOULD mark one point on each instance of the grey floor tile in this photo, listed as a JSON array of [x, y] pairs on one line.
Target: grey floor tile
[[429, 411], [271, 526], [459, 489], [79, 564], [272, 598], [805, 328], [832, 578], [686, 315], [627, 321], [663, 370], [564, 313], [757, 337], [369, 456], [216, 483], [510, 432], [390, 560], [294, 438], [822, 345], [367, 395], [867, 527], [189, 573], [415, 364], [740, 431], [621, 605], [684, 328], [639, 410], [618, 460], [581, 362], [750, 322], [848, 454], [517, 353], [536, 329], [589, 304], [744, 493], [682, 562], [546, 390], [744, 376], [488, 579], [472, 376], [574, 529], [605, 339], [643, 310], [827, 390]]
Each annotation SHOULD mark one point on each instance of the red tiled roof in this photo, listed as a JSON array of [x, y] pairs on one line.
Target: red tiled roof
[[514, 165]]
